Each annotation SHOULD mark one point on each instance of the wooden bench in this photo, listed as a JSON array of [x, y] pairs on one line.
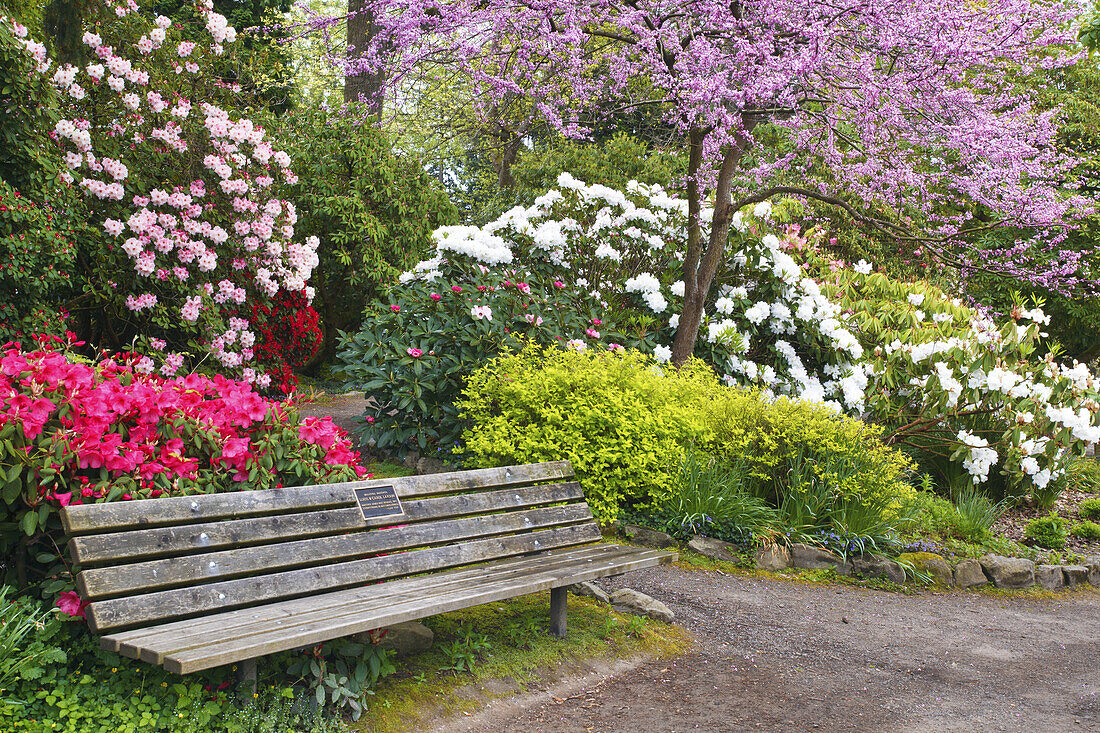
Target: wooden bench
[[201, 581]]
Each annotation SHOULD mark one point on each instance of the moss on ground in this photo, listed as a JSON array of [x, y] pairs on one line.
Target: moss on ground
[[514, 651], [387, 469]]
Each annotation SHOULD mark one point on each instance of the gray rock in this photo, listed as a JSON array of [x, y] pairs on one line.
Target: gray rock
[[712, 548], [1008, 572], [1049, 576], [773, 557], [1075, 575], [410, 459], [814, 558], [1092, 562], [870, 566], [425, 466], [648, 537], [626, 600], [969, 574], [930, 564], [404, 639], [589, 590]]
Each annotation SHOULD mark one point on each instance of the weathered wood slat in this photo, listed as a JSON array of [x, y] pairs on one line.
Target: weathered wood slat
[[90, 518], [151, 607], [212, 566], [214, 655], [152, 643], [144, 544]]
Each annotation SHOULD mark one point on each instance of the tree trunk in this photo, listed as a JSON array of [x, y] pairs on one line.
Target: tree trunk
[[505, 157], [700, 266], [63, 22], [684, 343], [370, 86]]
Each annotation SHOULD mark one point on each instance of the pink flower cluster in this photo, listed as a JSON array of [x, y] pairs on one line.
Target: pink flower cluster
[[86, 422]]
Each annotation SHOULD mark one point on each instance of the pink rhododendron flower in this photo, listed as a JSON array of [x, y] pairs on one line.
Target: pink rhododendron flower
[[71, 603], [414, 353]]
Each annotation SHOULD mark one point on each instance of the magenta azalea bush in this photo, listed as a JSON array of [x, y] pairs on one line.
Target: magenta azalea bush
[[73, 431]]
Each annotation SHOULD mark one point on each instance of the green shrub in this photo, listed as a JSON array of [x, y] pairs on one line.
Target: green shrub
[[612, 162], [623, 421], [1048, 531], [73, 686], [1089, 509], [934, 515], [1083, 474], [622, 424], [342, 673], [25, 630], [373, 210], [770, 437], [1086, 531]]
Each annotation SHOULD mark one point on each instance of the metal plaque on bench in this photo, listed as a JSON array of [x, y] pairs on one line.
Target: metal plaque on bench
[[378, 501]]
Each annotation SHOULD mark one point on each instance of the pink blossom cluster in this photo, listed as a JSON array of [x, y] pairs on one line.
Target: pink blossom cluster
[[908, 105], [201, 245]]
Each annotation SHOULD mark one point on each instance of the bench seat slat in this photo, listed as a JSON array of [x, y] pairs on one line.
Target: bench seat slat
[[246, 616], [113, 516], [164, 605], [212, 566], [149, 643], [145, 544], [284, 637]]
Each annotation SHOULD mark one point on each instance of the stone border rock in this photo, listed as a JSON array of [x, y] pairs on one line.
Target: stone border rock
[[1002, 572]]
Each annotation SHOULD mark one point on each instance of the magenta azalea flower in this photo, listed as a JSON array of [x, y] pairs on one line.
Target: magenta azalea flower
[[72, 604]]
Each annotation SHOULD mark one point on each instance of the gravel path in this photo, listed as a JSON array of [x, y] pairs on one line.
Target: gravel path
[[788, 656]]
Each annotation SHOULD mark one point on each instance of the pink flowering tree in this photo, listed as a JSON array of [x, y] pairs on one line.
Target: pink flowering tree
[[900, 104], [184, 193]]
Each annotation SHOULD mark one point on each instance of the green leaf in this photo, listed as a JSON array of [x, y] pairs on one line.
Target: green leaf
[[30, 523]]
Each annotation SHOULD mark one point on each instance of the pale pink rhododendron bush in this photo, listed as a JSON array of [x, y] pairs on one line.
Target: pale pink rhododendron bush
[[184, 190]]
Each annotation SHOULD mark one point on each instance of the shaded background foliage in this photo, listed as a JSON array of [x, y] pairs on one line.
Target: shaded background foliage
[[373, 210]]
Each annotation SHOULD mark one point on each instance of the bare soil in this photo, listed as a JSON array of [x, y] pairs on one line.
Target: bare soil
[[777, 655], [1013, 524]]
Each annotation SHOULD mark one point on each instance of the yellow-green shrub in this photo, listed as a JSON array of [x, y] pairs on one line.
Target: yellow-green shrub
[[624, 422], [619, 422], [843, 452]]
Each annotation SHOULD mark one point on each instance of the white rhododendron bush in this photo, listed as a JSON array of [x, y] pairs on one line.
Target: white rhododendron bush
[[182, 192], [591, 267]]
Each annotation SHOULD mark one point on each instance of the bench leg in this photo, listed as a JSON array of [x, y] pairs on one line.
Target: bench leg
[[246, 676], [557, 611]]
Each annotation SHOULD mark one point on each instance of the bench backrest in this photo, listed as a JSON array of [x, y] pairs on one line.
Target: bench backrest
[[149, 561]]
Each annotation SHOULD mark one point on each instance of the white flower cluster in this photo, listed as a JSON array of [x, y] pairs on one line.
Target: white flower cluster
[[475, 243], [980, 457]]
